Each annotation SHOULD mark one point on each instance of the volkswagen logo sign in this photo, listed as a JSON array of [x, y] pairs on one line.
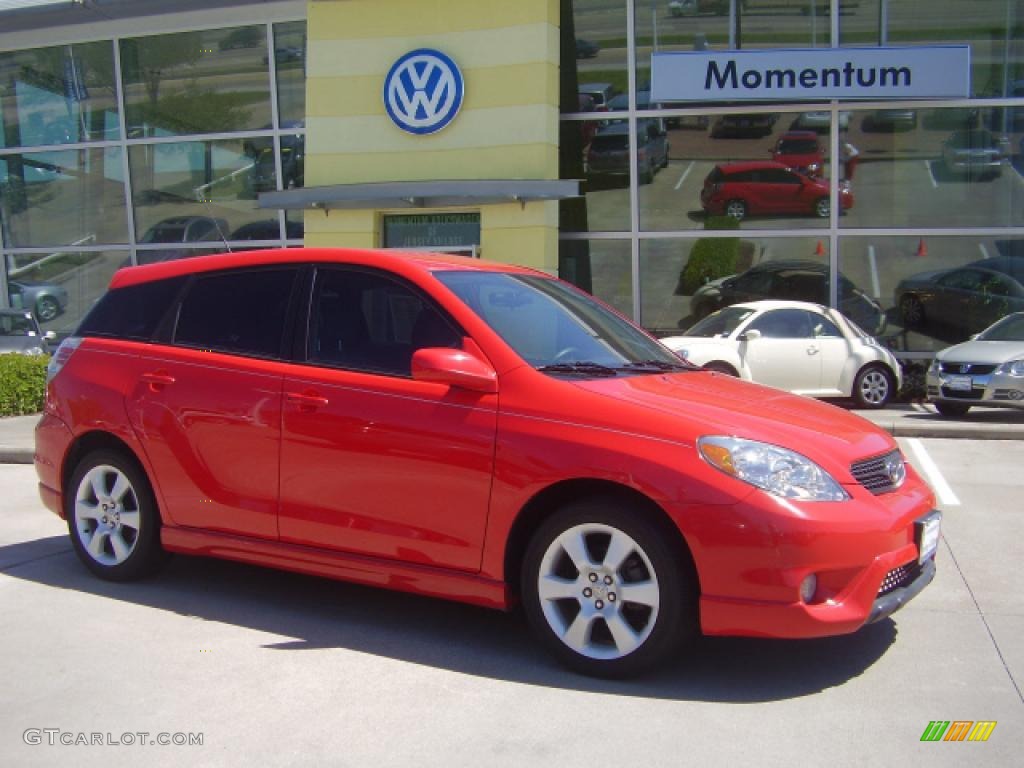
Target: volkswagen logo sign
[[423, 91]]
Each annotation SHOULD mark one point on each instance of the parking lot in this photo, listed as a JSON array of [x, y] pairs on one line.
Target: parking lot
[[277, 668]]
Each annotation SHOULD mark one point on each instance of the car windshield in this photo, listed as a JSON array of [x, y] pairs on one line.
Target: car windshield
[[558, 329], [720, 323], [1010, 328], [797, 146], [165, 233]]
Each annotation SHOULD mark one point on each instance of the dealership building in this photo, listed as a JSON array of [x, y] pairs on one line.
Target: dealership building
[[670, 157]]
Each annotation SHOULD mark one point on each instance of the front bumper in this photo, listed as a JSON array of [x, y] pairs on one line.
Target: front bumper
[[995, 390], [863, 554]]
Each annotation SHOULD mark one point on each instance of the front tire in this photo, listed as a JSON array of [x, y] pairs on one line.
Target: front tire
[[113, 518], [873, 387], [823, 208], [720, 367], [951, 410], [47, 309], [911, 310], [604, 591]]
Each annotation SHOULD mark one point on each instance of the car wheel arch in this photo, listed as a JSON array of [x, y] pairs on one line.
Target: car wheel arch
[[553, 498], [98, 440]]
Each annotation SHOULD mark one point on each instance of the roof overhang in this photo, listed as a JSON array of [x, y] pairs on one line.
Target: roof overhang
[[421, 194]]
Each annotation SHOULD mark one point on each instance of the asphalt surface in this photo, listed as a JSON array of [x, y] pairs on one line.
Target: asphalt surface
[[914, 420]]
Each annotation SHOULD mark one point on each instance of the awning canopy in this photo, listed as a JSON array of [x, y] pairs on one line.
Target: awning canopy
[[420, 194]]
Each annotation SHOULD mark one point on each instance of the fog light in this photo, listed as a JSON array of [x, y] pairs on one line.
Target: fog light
[[808, 587]]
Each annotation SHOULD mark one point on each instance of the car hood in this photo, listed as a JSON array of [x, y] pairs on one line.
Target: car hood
[[694, 404], [991, 352], [680, 342]]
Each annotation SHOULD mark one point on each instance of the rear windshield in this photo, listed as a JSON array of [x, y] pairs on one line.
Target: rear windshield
[[611, 143], [798, 146], [720, 323]]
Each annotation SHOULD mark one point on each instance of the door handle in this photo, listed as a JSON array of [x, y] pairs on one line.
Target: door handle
[[812, 350], [307, 401], [157, 380]]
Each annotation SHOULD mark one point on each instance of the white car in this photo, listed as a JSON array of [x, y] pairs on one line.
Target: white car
[[801, 347]]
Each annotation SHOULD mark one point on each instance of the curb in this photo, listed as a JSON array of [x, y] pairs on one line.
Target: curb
[[15, 456]]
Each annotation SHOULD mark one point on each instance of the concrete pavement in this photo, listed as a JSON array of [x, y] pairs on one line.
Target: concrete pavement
[[901, 420]]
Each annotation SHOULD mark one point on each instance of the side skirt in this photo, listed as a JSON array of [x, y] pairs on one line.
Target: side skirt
[[405, 577]]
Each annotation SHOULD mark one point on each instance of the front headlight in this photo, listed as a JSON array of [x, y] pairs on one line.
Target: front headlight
[[1012, 368], [773, 469]]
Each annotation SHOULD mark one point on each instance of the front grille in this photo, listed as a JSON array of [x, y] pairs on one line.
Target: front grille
[[974, 394], [880, 474], [899, 577], [975, 369]]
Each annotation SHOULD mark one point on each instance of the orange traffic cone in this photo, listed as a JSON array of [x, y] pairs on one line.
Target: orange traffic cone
[[820, 250], [922, 248]]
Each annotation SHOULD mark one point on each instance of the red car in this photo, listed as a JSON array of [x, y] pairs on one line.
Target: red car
[[766, 187], [800, 151], [473, 431]]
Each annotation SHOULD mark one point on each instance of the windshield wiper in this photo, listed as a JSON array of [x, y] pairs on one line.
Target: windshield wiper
[[582, 368], [660, 365]]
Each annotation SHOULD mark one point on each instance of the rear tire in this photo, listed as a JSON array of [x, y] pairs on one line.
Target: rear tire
[[911, 310], [823, 207], [604, 591], [737, 209], [113, 518]]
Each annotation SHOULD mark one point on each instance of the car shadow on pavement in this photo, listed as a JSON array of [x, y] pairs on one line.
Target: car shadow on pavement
[[322, 614]]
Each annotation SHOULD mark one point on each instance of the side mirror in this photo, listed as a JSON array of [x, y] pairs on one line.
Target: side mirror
[[751, 335], [50, 336], [455, 368]]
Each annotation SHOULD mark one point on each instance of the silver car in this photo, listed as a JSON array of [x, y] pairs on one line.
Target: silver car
[[987, 370], [20, 332]]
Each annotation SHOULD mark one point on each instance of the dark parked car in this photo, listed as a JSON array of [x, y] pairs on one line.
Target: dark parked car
[[766, 187], [20, 332], [743, 126], [609, 150], [585, 49], [601, 93], [268, 229], [792, 280], [46, 300], [890, 120], [974, 152], [967, 298], [186, 229], [800, 151]]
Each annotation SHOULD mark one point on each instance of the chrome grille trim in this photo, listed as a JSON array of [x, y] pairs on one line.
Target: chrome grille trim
[[876, 474]]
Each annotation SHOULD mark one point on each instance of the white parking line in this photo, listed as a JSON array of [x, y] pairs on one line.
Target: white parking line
[[931, 471], [873, 265], [685, 174], [983, 249], [928, 167]]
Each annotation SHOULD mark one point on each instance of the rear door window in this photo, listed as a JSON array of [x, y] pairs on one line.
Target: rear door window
[[133, 312], [242, 312]]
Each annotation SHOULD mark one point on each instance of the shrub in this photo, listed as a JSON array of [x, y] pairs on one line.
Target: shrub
[[22, 384], [710, 258]]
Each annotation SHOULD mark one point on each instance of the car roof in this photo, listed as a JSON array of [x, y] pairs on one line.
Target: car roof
[[400, 262], [767, 304], [799, 135], [750, 165]]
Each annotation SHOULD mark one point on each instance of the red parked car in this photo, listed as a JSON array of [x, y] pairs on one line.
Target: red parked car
[[800, 151], [766, 187], [474, 431]]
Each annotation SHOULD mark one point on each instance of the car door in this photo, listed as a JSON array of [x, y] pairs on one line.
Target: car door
[[372, 461], [786, 354], [207, 404], [780, 191], [833, 352]]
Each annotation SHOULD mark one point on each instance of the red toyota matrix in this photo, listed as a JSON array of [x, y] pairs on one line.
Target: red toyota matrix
[[474, 431]]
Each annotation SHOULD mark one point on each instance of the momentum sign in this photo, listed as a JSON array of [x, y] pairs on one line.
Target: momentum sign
[[934, 72]]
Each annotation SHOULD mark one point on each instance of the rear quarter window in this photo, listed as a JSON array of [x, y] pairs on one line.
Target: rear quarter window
[[133, 312]]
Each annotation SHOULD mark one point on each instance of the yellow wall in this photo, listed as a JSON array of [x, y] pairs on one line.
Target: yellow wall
[[508, 52]]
